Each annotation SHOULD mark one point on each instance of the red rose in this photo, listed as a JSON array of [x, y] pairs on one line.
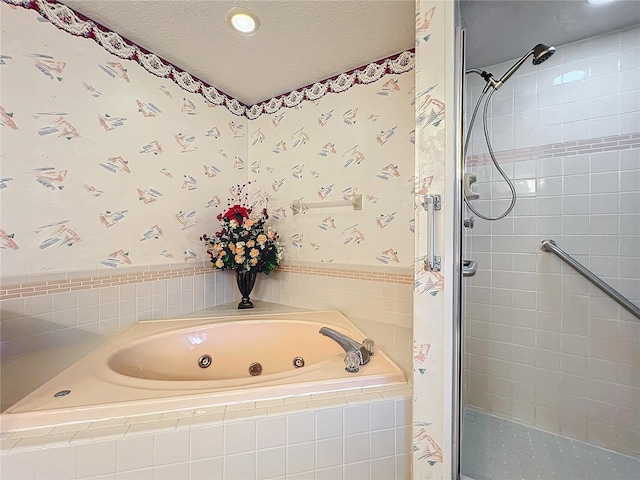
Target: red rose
[[237, 213]]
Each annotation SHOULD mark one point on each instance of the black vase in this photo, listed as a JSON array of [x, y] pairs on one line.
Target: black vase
[[246, 281]]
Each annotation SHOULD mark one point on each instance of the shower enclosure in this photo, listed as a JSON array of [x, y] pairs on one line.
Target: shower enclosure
[[551, 363]]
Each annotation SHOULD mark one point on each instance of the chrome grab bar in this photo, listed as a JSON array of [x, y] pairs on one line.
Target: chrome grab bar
[[431, 261], [552, 247]]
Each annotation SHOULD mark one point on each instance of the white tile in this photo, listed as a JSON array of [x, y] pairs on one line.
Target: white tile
[[356, 471], [57, 463], [356, 447], [576, 184], [606, 64], [206, 469], [403, 466], [135, 452], [577, 130], [97, 458], [271, 432], [171, 447], [301, 428], [171, 472], [300, 457], [18, 466], [239, 437], [604, 126], [206, 442], [356, 419], [271, 462], [576, 111], [403, 412], [605, 182], [383, 443], [329, 423], [382, 415], [240, 467], [334, 473], [383, 468], [329, 452]]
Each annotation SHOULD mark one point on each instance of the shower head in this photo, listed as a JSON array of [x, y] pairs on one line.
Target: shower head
[[540, 52]]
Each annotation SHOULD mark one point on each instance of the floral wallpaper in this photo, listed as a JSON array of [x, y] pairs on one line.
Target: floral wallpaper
[[432, 296], [357, 143], [104, 165]]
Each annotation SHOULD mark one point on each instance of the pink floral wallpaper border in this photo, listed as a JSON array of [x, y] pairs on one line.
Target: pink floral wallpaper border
[[77, 24]]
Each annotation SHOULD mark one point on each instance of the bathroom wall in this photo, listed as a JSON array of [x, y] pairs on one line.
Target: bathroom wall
[[115, 280], [104, 165], [544, 346], [359, 141], [107, 184], [109, 177], [433, 294], [108, 271]]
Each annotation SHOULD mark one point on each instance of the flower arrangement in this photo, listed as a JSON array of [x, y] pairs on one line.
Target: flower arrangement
[[245, 243]]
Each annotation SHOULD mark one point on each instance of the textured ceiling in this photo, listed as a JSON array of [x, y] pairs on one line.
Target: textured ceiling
[[299, 42], [303, 41]]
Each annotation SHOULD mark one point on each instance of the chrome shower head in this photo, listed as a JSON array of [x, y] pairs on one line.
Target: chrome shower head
[[542, 52]]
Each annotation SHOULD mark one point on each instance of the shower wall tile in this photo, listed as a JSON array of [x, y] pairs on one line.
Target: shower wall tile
[[544, 346]]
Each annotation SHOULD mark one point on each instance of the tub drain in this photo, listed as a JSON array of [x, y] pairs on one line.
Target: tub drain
[[298, 362], [205, 361]]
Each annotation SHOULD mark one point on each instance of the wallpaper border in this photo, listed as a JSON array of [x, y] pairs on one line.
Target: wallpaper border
[[77, 24]]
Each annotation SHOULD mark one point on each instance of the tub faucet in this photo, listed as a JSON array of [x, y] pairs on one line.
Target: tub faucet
[[349, 345]]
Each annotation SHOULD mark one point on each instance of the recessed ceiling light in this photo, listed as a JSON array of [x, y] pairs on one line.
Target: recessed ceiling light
[[600, 2], [243, 20]]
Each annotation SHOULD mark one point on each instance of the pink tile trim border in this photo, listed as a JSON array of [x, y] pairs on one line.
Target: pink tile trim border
[[48, 287], [403, 279], [564, 149], [62, 285]]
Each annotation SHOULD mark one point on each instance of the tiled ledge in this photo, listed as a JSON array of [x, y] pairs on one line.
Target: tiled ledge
[[73, 433], [46, 284], [564, 149]]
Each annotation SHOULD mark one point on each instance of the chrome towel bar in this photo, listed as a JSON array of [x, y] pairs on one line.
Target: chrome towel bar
[[551, 247]]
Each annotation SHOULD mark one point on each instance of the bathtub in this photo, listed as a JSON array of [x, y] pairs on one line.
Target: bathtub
[[168, 365]]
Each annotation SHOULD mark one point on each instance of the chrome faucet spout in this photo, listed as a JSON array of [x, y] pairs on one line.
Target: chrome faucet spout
[[347, 343]]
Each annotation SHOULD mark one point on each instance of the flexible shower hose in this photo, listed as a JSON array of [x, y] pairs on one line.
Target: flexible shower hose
[[491, 154]]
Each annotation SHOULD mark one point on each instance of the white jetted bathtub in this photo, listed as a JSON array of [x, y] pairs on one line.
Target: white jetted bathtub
[[160, 366]]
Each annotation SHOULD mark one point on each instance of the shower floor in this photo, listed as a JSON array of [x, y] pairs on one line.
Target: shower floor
[[499, 449]]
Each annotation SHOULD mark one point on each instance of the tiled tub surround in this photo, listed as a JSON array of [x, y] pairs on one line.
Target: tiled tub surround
[[545, 347], [358, 434], [69, 324], [44, 332], [352, 434], [153, 366]]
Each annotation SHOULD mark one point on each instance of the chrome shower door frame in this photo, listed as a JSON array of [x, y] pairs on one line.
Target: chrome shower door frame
[[457, 313]]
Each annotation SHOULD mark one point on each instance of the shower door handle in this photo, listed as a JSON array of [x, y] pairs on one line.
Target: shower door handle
[[431, 261], [469, 268]]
